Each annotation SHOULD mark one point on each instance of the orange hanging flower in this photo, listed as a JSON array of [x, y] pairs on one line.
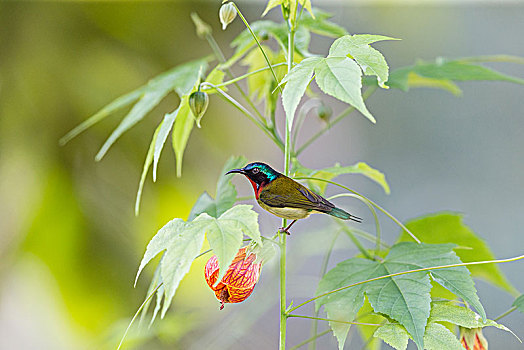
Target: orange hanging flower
[[472, 339], [239, 280]]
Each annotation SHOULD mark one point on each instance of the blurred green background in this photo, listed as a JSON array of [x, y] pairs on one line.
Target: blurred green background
[[70, 243]]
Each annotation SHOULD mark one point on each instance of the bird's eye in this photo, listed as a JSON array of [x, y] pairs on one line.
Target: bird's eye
[[255, 171]]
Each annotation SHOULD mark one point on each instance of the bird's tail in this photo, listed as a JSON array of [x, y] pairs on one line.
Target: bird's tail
[[341, 214]]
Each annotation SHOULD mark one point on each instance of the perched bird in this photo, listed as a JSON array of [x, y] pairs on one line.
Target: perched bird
[[286, 198]]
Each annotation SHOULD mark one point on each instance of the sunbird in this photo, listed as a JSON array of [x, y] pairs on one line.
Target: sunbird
[[286, 198]]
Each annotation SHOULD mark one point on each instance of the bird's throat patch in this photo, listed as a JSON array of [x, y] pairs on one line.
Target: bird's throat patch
[[256, 188]]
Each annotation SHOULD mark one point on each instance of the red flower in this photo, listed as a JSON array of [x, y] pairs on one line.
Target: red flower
[[472, 339], [239, 280]]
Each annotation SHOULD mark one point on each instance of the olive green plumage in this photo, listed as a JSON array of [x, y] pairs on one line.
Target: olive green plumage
[[286, 198]]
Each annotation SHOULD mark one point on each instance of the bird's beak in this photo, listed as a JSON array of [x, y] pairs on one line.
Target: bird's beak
[[239, 171]]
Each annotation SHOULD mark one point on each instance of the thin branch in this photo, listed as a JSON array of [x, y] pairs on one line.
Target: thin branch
[[258, 43], [370, 201], [233, 81], [373, 211], [136, 315], [341, 116], [505, 313], [257, 122], [323, 269], [299, 345], [331, 320]]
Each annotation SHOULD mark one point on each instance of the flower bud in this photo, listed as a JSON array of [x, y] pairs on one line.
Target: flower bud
[[202, 28], [324, 112], [472, 339], [198, 102], [227, 14]]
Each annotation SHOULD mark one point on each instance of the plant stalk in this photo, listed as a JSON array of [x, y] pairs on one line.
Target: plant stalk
[[283, 235]]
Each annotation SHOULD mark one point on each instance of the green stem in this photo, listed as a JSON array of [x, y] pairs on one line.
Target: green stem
[[341, 116], [283, 236], [233, 81], [222, 59], [258, 43], [355, 241], [257, 122], [369, 200], [136, 315], [323, 269], [313, 338], [304, 110], [331, 320], [505, 313], [499, 261], [203, 253]]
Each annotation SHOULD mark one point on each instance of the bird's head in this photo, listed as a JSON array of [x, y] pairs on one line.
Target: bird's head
[[259, 174]]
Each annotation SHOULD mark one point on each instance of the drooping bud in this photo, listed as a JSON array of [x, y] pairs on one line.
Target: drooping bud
[[202, 28], [198, 102], [239, 280], [227, 14], [324, 112]]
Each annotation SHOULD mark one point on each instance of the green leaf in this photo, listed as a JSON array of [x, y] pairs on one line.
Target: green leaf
[[259, 84], [215, 77], [225, 233], [183, 127], [155, 281], [225, 193], [307, 6], [145, 169], [146, 103], [446, 71], [204, 204], [289, 4], [438, 337], [186, 240], [448, 228], [264, 253], [460, 316], [519, 303], [160, 242], [336, 170], [455, 279], [341, 78], [366, 315], [320, 24], [394, 335], [272, 4], [416, 81], [404, 298], [344, 305], [297, 81], [165, 128], [369, 59], [180, 78], [120, 102]]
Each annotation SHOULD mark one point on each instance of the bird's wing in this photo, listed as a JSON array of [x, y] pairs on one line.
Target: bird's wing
[[297, 196]]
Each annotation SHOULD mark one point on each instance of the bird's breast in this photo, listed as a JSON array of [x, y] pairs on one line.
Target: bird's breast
[[286, 212]]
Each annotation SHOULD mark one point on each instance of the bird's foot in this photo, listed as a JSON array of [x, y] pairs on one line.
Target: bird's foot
[[284, 230]]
